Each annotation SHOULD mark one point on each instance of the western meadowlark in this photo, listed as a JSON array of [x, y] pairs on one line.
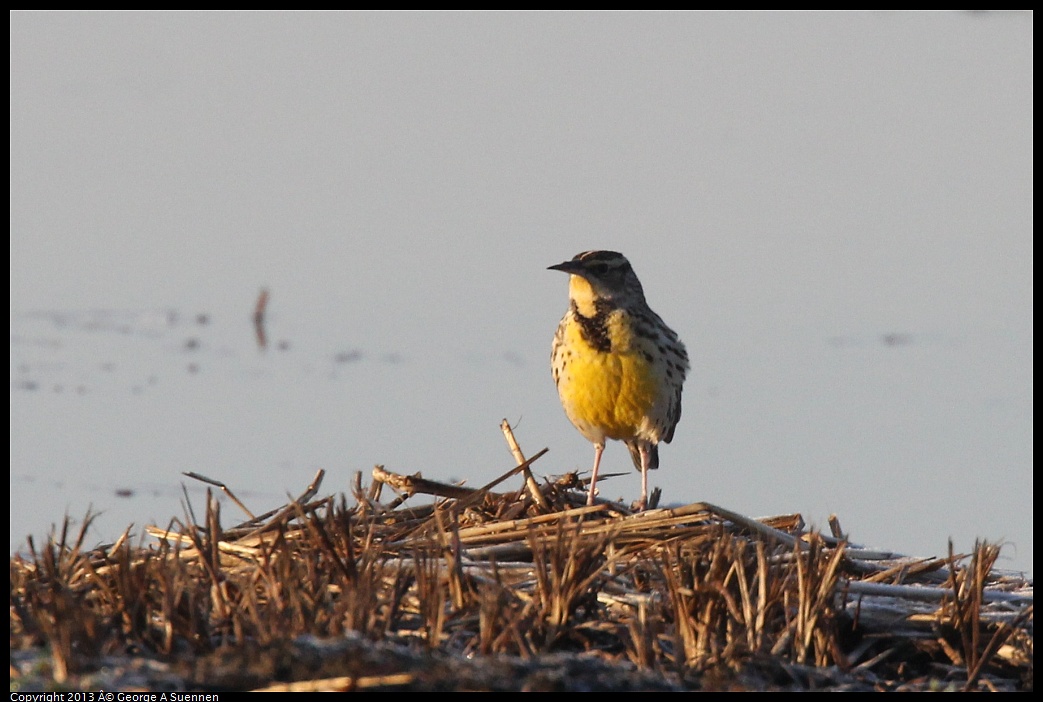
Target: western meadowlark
[[618, 367]]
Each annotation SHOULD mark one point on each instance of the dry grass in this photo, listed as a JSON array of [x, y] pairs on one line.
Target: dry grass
[[509, 590]]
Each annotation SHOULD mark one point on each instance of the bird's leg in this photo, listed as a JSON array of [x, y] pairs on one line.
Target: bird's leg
[[646, 457], [598, 448]]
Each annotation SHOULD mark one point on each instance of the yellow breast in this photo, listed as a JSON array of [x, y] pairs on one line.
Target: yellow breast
[[608, 394]]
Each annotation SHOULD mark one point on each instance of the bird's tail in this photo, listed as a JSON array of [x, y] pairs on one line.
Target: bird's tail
[[635, 455]]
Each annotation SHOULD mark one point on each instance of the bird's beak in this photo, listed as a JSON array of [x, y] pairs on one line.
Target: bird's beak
[[571, 267]]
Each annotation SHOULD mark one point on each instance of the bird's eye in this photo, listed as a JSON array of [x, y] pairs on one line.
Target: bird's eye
[[599, 268]]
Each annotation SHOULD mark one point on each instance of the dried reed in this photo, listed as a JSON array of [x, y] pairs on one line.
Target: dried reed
[[525, 589]]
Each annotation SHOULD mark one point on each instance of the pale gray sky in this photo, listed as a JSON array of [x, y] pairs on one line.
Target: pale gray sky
[[834, 210]]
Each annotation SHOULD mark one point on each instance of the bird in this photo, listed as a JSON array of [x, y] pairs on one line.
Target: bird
[[619, 369]]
